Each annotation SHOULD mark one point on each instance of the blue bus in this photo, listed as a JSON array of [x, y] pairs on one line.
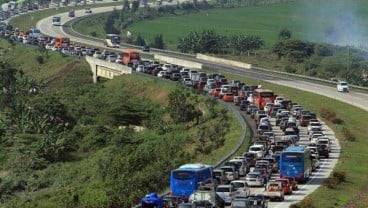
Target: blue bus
[[295, 162], [185, 180]]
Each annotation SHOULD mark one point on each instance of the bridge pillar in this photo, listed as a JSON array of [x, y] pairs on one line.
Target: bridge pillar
[[93, 67]]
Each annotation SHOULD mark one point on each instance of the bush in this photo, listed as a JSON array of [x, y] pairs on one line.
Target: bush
[[330, 182], [93, 34], [305, 203], [40, 59], [327, 113], [348, 135], [340, 175], [336, 120]]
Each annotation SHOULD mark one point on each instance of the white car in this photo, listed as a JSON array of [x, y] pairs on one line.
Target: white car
[[241, 187], [258, 149], [342, 86], [49, 46], [278, 100], [226, 192]]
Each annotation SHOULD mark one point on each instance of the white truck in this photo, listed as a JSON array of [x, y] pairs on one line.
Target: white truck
[[206, 196], [342, 86]]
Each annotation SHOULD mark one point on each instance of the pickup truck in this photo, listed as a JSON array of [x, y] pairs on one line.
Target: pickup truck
[[274, 191]]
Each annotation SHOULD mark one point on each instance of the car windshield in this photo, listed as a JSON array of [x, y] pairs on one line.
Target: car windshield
[[252, 175], [238, 184], [217, 173], [255, 149], [223, 189]]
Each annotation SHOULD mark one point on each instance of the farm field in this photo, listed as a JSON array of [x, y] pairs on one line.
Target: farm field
[[337, 22]]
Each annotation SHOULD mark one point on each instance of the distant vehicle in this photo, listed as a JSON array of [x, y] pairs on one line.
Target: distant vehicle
[[206, 196], [130, 56], [342, 86], [274, 191], [62, 42], [88, 10], [263, 96], [296, 162], [112, 40], [56, 21], [145, 48], [71, 13], [185, 180], [34, 32], [226, 192], [152, 200]]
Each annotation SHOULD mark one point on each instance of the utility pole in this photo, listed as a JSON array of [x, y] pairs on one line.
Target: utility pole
[[348, 65]]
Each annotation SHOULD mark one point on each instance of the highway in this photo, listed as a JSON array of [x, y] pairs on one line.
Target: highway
[[354, 98]]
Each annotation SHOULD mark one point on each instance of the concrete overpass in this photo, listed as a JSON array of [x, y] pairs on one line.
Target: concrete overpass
[[102, 68]]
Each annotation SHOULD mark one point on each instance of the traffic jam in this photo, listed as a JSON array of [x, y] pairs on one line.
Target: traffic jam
[[289, 145]]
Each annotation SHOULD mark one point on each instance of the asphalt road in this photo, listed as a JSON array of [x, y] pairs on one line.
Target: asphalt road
[[354, 98]]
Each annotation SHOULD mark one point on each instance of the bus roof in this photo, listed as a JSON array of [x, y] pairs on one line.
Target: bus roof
[[195, 166], [112, 35], [295, 149]]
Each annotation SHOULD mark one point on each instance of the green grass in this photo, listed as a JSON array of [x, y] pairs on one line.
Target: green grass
[[353, 154], [29, 20], [307, 19]]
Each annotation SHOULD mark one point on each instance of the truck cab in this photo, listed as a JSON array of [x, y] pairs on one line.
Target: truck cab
[[342, 86]]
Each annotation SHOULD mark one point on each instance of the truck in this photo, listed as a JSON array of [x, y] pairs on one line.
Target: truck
[[195, 79], [274, 191], [206, 197], [342, 86]]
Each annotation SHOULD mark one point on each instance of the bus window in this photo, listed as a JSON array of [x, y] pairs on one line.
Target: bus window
[[183, 175], [292, 157]]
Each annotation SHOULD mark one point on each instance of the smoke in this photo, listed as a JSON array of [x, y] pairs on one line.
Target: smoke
[[335, 22]]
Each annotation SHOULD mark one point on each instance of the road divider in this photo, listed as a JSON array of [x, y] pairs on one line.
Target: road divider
[[223, 61], [178, 61]]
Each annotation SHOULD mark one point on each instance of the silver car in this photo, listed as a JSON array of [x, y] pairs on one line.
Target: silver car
[[254, 179], [226, 192]]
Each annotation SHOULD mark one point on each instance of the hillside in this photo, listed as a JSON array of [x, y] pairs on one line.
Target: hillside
[[66, 142]]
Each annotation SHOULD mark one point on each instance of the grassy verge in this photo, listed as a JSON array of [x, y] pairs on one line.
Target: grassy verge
[[29, 20], [353, 154]]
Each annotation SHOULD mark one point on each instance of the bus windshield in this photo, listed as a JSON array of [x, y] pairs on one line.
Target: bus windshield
[[65, 40], [266, 94], [183, 175], [292, 157]]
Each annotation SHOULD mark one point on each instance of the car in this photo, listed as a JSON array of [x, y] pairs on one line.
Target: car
[[326, 141], [219, 176], [251, 158], [226, 192], [285, 185], [88, 10], [230, 172], [274, 190], [71, 13], [255, 179], [145, 48], [241, 187], [111, 58], [187, 82], [258, 149], [228, 97], [323, 150], [216, 92], [242, 166], [342, 86], [240, 202], [258, 201]]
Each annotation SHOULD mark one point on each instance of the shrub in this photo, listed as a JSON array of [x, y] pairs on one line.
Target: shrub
[[40, 59], [327, 113], [340, 176], [348, 135], [336, 120], [330, 182], [93, 34]]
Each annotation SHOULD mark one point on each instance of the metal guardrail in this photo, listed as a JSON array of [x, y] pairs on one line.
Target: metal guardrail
[[305, 77]]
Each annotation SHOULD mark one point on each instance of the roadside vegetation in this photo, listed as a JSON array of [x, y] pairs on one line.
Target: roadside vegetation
[[347, 185], [276, 40], [66, 142]]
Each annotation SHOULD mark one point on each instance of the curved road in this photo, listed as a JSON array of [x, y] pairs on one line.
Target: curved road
[[354, 98]]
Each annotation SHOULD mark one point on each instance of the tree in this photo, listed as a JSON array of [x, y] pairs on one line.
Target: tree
[[139, 41], [294, 50], [284, 34], [158, 42]]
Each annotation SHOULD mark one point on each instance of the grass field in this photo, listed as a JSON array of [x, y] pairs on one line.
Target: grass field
[[339, 22]]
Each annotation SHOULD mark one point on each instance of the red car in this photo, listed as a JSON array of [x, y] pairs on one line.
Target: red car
[[228, 97], [286, 186], [216, 92], [293, 183]]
